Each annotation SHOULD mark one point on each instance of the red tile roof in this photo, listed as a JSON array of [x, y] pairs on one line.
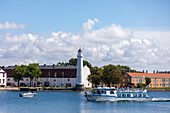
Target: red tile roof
[[148, 75]]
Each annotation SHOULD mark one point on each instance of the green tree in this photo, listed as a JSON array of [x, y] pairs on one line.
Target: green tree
[[33, 72], [147, 80], [60, 63], [19, 72], [140, 85], [111, 75], [73, 61], [124, 69], [95, 76]]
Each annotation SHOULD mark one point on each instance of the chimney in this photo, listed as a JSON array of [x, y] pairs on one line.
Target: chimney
[[157, 72], [146, 71], [143, 71], [153, 71]]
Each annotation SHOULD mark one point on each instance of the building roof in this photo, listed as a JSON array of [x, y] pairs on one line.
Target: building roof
[[1, 70], [149, 75], [50, 67]]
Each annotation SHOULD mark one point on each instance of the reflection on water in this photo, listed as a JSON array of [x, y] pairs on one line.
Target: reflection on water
[[75, 102]]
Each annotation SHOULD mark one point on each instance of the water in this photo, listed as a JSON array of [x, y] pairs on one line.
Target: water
[[75, 102]]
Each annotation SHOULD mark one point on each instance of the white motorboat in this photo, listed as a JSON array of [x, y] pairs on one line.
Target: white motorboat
[[111, 94], [28, 94]]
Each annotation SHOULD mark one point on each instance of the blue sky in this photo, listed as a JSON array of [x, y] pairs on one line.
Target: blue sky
[[126, 32], [54, 15]]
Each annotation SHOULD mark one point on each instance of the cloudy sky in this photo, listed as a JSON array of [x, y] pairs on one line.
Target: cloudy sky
[[134, 33]]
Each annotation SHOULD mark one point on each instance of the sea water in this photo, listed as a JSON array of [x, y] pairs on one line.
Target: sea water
[[75, 102]]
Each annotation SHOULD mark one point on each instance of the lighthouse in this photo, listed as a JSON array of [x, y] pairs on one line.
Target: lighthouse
[[80, 81]]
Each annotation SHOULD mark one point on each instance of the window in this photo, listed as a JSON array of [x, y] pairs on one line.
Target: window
[[166, 80], [136, 80], [153, 84], [0, 80], [156, 84], [68, 79], [163, 80], [144, 95], [156, 80], [98, 92], [119, 95], [150, 85], [3, 74], [163, 85], [143, 80], [153, 80], [27, 79], [123, 95], [8, 79], [128, 95], [103, 92], [125, 75], [140, 80], [54, 79], [111, 92], [123, 84], [123, 80], [128, 80], [139, 95], [3, 81], [160, 80], [134, 95], [160, 84]]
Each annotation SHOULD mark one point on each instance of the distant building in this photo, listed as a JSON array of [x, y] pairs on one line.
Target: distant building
[[157, 79], [3, 77], [53, 75]]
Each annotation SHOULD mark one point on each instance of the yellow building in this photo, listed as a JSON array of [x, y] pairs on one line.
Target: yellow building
[[157, 79]]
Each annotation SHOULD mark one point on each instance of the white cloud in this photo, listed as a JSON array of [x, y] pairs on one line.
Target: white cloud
[[13, 25], [111, 44]]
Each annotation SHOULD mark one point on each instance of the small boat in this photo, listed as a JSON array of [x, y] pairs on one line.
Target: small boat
[[112, 94], [28, 94]]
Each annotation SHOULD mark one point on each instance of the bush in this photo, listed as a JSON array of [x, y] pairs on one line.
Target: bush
[[140, 85]]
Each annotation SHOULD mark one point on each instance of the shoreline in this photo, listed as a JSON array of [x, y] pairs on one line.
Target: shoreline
[[62, 89]]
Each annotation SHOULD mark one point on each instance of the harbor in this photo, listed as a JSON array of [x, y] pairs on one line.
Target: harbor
[[75, 102]]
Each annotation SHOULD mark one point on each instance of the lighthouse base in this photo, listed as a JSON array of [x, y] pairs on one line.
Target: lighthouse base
[[80, 87]]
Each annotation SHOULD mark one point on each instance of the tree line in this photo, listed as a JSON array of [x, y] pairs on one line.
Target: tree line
[[108, 74]]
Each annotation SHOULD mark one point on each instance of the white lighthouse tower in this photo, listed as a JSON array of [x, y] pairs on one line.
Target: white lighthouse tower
[[80, 81]]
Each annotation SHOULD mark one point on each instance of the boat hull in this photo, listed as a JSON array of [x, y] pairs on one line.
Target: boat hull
[[27, 94], [111, 98]]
